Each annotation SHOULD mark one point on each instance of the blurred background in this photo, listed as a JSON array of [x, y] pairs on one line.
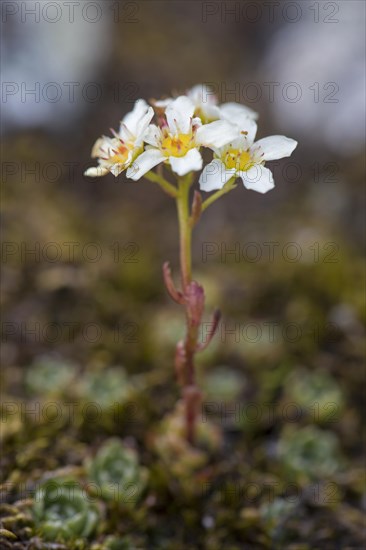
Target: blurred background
[[81, 257], [71, 73]]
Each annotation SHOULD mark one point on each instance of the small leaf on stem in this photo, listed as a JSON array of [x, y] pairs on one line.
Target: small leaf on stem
[[216, 316], [173, 292]]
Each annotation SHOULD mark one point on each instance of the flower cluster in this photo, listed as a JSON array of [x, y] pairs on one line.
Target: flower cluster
[[184, 125]]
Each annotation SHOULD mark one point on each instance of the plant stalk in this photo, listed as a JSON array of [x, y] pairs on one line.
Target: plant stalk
[[191, 393], [191, 294]]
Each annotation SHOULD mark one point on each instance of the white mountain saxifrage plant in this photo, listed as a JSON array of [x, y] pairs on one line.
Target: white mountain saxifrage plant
[[184, 126]]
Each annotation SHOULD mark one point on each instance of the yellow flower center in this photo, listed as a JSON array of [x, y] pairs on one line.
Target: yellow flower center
[[177, 146], [120, 154], [240, 160]]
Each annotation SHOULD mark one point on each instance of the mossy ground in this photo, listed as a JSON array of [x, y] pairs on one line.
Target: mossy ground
[[286, 468]]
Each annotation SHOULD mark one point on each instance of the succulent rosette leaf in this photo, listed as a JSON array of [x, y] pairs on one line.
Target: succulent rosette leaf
[[49, 375], [117, 473], [62, 511], [106, 387], [310, 453]]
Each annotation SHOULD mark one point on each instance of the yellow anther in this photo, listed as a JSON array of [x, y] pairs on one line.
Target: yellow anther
[[177, 146], [240, 160]]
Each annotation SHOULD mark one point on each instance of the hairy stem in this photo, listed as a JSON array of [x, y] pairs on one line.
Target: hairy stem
[[191, 394], [191, 294], [185, 232]]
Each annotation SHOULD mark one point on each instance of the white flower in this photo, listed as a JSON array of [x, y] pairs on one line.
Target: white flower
[[178, 141], [207, 108], [117, 153], [245, 159], [237, 113], [204, 100]]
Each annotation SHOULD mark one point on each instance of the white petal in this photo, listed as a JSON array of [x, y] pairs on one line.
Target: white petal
[[153, 135], [216, 134], [96, 171], [143, 163], [239, 143], [232, 111], [215, 175], [205, 102], [143, 125], [202, 93], [246, 124], [103, 146], [182, 165], [97, 148], [162, 103], [133, 119], [125, 134], [210, 112], [258, 178], [275, 147], [179, 114], [116, 169], [248, 128]]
